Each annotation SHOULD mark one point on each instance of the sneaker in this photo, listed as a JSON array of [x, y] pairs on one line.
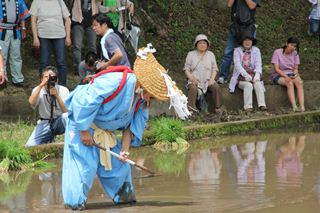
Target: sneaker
[[248, 110], [20, 84], [221, 80], [263, 108]]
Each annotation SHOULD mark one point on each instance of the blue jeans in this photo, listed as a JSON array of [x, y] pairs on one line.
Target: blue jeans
[[58, 48], [42, 133], [227, 56], [79, 33], [314, 25]]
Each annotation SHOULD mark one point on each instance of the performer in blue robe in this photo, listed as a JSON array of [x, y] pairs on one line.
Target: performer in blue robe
[[82, 162], [113, 100]]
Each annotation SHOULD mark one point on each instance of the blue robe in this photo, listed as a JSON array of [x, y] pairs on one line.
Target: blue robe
[[80, 162]]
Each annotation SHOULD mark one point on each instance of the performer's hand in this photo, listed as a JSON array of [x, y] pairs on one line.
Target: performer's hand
[[124, 155], [86, 138]]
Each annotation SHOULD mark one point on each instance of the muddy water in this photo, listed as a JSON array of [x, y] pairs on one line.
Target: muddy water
[[267, 173]]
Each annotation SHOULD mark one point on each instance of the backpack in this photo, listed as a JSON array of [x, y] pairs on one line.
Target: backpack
[[243, 21]]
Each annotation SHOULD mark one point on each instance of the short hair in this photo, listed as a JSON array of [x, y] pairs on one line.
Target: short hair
[[102, 19], [91, 58], [50, 68]]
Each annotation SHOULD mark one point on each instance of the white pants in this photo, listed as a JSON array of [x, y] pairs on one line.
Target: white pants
[[247, 88]]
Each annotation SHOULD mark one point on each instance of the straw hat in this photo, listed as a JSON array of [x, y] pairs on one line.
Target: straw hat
[[148, 73]]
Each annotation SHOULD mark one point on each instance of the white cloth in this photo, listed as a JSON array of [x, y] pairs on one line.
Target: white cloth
[[44, 101], [103, 41], [248, 88]]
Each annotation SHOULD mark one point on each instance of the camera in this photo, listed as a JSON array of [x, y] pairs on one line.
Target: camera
[[52, 80]]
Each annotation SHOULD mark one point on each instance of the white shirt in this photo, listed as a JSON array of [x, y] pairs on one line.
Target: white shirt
[[44, 102]]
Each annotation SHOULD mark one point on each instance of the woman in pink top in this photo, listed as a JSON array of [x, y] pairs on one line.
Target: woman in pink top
[[285, 71]]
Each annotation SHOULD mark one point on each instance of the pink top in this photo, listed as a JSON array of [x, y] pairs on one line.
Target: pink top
[[286, 62]]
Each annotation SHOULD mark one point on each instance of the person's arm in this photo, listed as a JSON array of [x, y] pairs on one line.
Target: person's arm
[[23, 29], [130, 6], [251, 4], [280, 72], [33, 99], [67, 25], [36, 42], [126, 140], [53, 92], [214, 71], [237, 60], [103, 9], [230, 3], [187, 70], [113, 60], [2, 79]]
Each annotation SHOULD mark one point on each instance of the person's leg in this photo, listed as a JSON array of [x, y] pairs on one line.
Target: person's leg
[[15, 60], [314, 26], [40, 135], [77, 42], [45, 53], [247, 88], [59, 52], [58, 125], [80, 163], [290, 92], [4, 52], [227, 58], [299, 85], [259, 90], [117, 183], [91, 39], [192, 95], [216, 95]]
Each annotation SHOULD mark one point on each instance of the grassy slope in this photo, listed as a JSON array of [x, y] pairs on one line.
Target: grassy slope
[[181, 21], [277, 20]]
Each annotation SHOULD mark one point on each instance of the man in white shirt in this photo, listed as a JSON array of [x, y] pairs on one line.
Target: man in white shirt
[[50, 97]]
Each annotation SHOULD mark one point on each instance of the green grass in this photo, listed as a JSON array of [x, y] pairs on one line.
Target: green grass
[[167, 129], [13, 154], [183, 20]]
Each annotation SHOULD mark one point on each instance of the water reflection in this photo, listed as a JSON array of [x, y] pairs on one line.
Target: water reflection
[[289, 167], [278, 173], [205, 166], [40, 193], [250, 162]]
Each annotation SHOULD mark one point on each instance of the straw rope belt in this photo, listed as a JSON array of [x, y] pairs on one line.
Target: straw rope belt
[[107, 140]]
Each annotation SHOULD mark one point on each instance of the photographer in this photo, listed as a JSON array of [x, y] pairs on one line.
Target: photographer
[[87, 67], [50, 97]]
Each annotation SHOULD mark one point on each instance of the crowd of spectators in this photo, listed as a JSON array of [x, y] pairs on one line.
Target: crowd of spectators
[[60, 27]]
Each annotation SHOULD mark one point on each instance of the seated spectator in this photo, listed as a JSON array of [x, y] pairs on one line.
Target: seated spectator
[[314, 17], [201, 69], [116, 10], [50, 97], [247, 73], [285, 71], [87, 67]]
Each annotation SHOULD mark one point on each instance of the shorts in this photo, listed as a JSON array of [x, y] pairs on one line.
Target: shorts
[[276, 79]]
